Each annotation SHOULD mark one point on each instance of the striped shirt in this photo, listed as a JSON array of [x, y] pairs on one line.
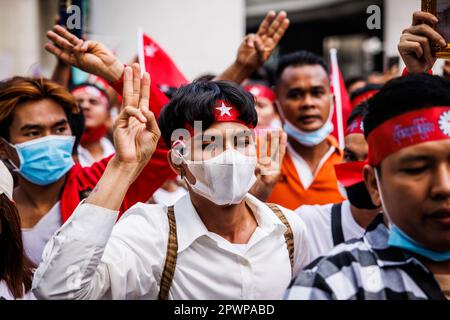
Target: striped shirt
[[366, 269]]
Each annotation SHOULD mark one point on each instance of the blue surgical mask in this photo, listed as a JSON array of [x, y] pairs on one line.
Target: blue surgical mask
[[397, 238], [308, 139], [45, 160]]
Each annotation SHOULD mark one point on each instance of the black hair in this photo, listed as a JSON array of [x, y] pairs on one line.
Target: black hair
[[405, 94], [351, 81], [365, 89], [298, 59], [196, 102], [359, 110]]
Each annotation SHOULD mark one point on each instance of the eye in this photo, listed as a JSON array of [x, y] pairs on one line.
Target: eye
[[414, 170], [61, 129], [32, 134], [318, 92]]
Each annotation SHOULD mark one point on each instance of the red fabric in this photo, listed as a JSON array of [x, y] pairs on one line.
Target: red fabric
[[406, 73], [356, 126], [81, 180], [160, 66], [346, 105], [363, 97], [260, 91], [408, 129], [350, 173], [91, 135]]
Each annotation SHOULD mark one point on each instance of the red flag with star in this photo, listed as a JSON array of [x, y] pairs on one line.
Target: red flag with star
[[158, 64]]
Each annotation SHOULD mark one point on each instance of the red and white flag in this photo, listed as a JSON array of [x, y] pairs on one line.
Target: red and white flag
[[342, 103], [158, 64]]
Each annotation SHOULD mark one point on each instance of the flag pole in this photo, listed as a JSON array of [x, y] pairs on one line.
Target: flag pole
[[140, 43], [338, 97]]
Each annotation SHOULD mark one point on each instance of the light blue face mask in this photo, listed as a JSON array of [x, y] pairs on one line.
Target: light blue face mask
[[308, 139], [45, 160], [399, 239]]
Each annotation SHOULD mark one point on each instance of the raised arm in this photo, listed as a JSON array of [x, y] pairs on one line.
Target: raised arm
[[416, 43], [72, 266], [90, 56], [256, 49]]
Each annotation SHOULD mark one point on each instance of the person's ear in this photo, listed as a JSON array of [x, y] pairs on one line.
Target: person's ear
[[179, 167], [6, 152], [371, 184]]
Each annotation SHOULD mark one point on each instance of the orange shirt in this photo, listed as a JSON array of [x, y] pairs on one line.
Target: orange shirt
[[290, 193]]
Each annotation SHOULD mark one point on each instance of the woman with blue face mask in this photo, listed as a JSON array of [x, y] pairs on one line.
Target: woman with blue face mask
[[36, 139]]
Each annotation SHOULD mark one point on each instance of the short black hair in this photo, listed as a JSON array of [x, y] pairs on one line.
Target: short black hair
[[405, 94], [298, 59], [196, 102], [365, 89], [351, 81], [359, 111]]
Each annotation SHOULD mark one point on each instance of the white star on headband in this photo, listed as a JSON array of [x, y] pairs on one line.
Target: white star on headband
[[224, 110]]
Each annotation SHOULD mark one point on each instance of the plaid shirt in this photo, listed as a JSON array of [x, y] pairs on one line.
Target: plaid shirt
[[366, 269]]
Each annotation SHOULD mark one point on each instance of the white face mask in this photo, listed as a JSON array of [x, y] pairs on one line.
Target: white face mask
[[225, 179]]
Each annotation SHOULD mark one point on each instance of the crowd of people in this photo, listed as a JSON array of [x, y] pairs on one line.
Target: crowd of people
[[226, 188]]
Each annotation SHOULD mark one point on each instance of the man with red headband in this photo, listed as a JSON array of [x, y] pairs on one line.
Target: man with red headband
[[216, 242], [332, 224], [94, 103], [405, 253]]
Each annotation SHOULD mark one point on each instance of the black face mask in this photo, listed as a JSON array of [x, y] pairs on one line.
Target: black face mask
[[358, 195]]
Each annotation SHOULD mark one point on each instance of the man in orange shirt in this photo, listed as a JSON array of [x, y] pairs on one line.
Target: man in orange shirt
[[305, 104]]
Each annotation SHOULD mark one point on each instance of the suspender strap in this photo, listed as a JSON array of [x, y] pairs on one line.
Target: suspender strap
[[336, 224], [288, 235], [171, 257]]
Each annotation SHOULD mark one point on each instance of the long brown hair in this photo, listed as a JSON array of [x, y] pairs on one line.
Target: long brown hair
[[16, 270]]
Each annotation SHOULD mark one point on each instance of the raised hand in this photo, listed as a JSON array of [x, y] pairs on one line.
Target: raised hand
[[417, 41], [272, 149], [256, 49], [136, 131], [89, 56]]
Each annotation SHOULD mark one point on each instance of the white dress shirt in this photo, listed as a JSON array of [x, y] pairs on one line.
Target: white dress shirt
[[91, 257], [318, 223]]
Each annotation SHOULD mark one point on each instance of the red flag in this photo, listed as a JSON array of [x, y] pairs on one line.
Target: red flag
[[158, 64], [340, 92]]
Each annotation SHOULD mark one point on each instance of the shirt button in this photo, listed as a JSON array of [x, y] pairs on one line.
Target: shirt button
[[244, 262]]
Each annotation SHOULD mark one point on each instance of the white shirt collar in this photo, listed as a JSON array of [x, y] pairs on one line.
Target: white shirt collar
[[190, 227]]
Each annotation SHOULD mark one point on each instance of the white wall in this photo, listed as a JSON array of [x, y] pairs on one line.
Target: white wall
[[20, 39], [200, 35]]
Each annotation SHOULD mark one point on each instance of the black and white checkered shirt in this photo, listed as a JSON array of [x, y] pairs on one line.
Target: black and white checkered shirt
[[366, 269]]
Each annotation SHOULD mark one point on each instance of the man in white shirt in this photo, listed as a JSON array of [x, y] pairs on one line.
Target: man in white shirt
[[332, 224], [217, 242]]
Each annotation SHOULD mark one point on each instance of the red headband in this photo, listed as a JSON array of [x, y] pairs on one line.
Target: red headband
[[419, 126], [363, 97], [223, 112], [350, 173], [260, 91], [357, 126], [87, 89]]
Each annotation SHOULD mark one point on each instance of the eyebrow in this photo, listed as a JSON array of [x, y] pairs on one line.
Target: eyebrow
[[415, 158], [38, 126]]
